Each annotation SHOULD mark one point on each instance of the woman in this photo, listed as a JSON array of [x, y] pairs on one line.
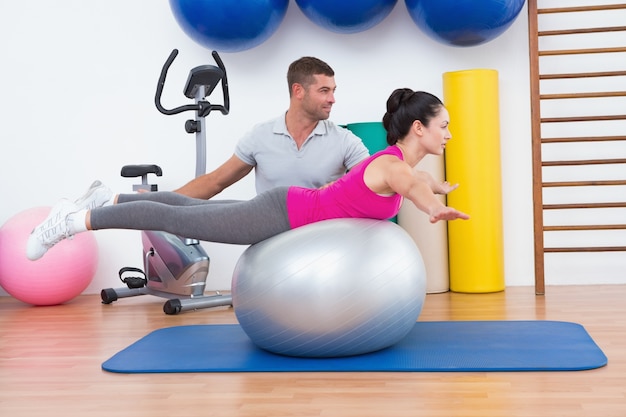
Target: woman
[[416, 124]]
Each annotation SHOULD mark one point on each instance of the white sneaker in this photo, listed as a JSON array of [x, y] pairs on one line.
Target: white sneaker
[[96, 196], [51, 231]]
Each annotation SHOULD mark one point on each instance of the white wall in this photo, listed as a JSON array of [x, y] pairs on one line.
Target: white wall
[[77, 86]]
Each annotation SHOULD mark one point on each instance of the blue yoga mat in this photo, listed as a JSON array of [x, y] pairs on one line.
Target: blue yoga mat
[[443, 346]]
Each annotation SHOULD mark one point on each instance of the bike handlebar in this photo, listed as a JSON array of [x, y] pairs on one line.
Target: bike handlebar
[[202, 107]]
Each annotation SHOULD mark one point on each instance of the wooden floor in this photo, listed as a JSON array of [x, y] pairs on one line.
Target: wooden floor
[[50, 361]]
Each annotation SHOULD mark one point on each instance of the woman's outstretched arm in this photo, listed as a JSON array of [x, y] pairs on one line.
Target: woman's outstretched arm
[[419, 190]]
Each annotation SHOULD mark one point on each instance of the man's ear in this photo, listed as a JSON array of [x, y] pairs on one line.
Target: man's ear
[[297, 90]]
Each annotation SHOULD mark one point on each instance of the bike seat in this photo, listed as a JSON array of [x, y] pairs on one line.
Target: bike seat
[[130, 171]]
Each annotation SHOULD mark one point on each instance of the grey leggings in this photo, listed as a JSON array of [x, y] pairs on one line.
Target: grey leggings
[[226, 221]]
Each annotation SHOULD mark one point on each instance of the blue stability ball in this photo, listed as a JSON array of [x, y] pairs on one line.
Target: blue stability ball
[[464, 22], [334, 288], [342, 16], [229, 26]]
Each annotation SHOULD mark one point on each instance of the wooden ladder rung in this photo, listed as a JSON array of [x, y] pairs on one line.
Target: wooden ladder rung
[[583, 139], [583, 118], [583, 183], [557, 52], [577, 228], [602, 94], [582, 75], [584, 162], [567, 206], [595, 8], [581, 31], [587, 249]]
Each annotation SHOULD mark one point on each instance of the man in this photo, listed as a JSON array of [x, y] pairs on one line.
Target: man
[[300, 147]]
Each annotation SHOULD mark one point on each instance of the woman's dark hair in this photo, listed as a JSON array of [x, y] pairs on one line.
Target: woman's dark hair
[[404, 106], [301, 71]]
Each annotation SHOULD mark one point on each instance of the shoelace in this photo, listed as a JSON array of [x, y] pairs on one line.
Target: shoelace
[[92, 194], [53, 231]]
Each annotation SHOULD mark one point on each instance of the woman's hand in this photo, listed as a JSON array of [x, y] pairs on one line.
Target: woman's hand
[[437, 187], [447, 213], [444, 187]]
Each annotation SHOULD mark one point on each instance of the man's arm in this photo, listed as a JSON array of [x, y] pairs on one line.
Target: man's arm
[[208, 185]]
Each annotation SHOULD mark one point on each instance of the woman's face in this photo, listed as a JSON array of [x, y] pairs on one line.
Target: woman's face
[[436, 134]]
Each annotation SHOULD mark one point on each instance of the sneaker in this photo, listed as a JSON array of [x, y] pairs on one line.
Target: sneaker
[[96, 196], [51, 231]]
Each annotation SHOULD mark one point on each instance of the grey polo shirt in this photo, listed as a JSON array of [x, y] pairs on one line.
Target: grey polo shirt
[[326, 154]]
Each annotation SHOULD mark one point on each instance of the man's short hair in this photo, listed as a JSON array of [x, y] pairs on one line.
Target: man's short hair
[[302, 71]]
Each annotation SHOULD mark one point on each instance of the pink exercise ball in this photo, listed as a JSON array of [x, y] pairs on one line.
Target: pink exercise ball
[[61, 275]]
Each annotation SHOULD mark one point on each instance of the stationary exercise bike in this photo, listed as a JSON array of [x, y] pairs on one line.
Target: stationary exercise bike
[[176, 267]]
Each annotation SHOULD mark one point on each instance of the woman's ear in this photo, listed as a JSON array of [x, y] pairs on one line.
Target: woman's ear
[[418, 127]]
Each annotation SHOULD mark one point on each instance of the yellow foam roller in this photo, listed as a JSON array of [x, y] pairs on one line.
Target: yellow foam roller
[[472, 158]]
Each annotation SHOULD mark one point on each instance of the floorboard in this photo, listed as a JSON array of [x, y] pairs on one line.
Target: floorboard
[[50, 361]]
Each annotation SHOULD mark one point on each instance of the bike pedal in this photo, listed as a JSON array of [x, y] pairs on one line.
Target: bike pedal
[[134, 282]]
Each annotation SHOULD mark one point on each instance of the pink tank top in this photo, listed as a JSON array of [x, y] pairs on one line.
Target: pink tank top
[[348, 197]]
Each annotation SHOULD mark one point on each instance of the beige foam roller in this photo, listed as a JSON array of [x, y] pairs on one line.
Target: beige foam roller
[[431, 239]]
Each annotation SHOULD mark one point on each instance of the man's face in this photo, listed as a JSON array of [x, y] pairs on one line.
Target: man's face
[[319, 98]]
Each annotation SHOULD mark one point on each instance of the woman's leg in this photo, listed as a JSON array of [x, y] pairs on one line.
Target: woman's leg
[[235, 222], [169, 198]]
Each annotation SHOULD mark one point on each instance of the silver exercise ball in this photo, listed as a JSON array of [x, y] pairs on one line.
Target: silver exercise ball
[[334, 288]]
